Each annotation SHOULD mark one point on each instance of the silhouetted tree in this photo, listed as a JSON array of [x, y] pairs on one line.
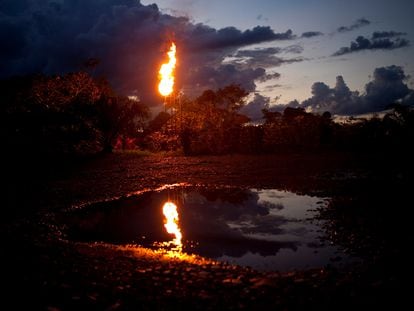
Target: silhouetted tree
[[209, 124], [271, 116], [231, 98], [326, 128], [120, 118], [158, 122], [291, 113], [66, 114]]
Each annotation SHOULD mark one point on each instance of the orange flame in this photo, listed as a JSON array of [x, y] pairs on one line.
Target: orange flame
[[171, 222], [166, 73]]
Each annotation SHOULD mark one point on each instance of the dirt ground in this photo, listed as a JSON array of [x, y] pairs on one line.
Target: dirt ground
[[45, 271]]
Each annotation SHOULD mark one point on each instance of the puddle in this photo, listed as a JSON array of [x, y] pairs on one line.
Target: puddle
[[264, 229]]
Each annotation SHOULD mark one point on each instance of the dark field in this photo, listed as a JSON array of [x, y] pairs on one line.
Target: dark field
[[367, 215]]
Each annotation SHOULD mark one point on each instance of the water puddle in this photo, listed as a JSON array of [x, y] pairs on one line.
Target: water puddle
[[264, 229]]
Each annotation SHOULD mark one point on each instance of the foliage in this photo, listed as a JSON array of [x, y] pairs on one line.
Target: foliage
[[75, 113], [120, 118], [68, 114], [296, 130], [210, 124]]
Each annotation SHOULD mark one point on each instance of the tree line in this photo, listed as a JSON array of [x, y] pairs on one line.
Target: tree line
[[78, 114]]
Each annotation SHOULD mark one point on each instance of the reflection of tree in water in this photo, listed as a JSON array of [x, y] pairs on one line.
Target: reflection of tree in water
[[221, 220], [230, 195], [234, 247], [226, 221]]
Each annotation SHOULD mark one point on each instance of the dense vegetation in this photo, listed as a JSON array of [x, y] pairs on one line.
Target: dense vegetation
[[78, 114]]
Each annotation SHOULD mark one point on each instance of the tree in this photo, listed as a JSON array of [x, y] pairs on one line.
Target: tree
[[212, 123], [54, 114], [271, 116], [209, 124], [71, 113], [120, 118], [291, 113], [231, 97]]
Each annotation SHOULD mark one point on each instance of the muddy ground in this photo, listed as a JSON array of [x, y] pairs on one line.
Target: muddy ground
[[368, 215]]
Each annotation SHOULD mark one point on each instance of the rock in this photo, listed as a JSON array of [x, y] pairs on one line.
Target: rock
[[259, 282], [232, 281], [115, 306]]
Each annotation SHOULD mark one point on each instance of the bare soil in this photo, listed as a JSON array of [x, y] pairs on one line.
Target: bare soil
[[44, 270]]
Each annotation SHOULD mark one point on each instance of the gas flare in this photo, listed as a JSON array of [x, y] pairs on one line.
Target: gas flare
[[171, 222], [166, 73]]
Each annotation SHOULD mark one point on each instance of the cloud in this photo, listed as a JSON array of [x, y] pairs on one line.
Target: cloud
[[387, 87], [387, 34], [361, 43], [13, 36], [356, 25], [272, 87], [258, 52], [210, 38], [215, 218], [266, 58], [260, 17], [225, 221], [130, 40], [408, 100], [264, 52], [310, 34], [337, 100], [254, 108], [281, 107], [295, 49], [213, 78], [269, 76]]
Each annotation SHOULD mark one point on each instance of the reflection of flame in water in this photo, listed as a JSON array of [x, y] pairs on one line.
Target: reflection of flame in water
[[171, 222], [166, 73]]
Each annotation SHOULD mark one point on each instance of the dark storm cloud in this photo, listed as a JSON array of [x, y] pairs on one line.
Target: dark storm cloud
[[387, 87], [269, 76], [11, 33], [254, 108], [387, 34], [408, 100], [213, 78], [310, 34], [358, 24], [129, 39], [295, 49], [267, 61], [265, 58], [258, 52], [361, 43], [210, 38], [59, 36], [337, 100]]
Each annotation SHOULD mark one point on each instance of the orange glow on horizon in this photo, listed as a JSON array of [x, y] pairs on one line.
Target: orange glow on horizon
[[166, 73]]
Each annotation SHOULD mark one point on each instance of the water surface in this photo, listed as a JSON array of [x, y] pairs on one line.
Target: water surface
[[265, 229]]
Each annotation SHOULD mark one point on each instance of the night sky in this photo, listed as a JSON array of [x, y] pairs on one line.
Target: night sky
[[349, 57]]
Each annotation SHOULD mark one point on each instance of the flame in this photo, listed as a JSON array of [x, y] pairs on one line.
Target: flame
[[166, 73], [171, 222]]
